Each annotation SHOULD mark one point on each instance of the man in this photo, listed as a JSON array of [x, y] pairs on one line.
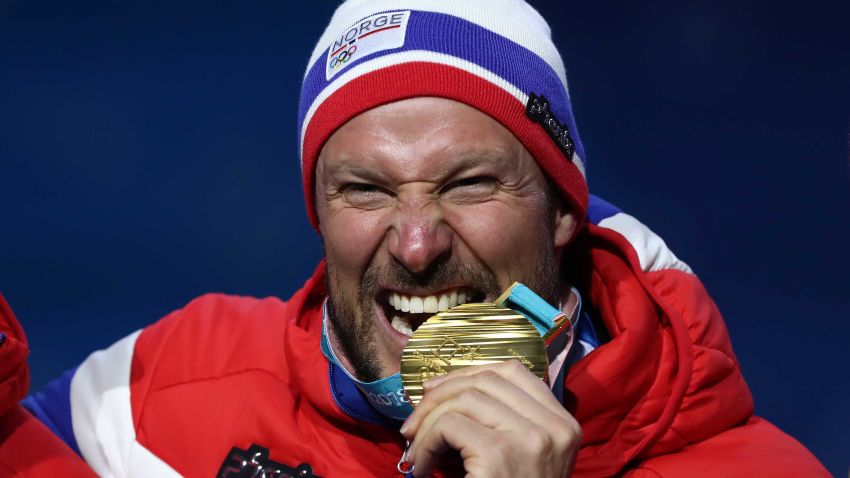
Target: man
[[441, 163]]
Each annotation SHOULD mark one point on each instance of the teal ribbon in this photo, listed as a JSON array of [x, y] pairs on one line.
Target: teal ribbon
[[385, 395], [539, 312]]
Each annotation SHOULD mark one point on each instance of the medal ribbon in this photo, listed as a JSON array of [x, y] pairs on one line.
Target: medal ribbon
[[385, 395]]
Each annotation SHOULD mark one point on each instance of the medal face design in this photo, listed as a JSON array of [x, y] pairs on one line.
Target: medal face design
[[469, 334]]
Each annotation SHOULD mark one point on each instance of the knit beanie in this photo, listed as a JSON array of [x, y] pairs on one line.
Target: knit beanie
[[496, 56]]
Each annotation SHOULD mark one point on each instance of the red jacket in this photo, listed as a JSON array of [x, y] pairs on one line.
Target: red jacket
[[664, 396], [27, 447]]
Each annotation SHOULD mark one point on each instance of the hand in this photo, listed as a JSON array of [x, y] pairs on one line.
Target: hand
[[502, 419]]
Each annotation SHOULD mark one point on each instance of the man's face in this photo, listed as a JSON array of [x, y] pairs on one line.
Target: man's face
[[423, 204]]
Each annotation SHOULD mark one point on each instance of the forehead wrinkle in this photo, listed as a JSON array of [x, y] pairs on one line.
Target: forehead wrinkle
[[387, 155], [398, 142], [345, 164], [469, 158], [447, 163]]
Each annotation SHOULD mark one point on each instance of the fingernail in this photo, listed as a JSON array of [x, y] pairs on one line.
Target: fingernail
[[404, 426], [433, 382]]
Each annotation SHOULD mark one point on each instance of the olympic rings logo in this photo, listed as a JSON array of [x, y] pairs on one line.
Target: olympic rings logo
[[343, 57]]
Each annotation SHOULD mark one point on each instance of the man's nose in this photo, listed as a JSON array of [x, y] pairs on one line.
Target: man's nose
[[419, 235]]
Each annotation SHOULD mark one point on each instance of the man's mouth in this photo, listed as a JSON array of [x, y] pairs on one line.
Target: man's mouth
[[408, 311]]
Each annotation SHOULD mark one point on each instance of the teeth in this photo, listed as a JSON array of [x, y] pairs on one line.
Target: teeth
[[430, 304], [444, 303], [402, 325], [416, 305]]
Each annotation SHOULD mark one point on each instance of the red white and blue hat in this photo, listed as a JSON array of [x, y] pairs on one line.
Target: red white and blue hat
[[495, 55]]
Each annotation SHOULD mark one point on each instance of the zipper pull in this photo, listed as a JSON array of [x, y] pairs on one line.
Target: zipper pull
[[403, 467]]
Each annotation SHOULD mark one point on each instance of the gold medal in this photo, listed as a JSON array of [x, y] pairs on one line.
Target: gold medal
[[469, 334]]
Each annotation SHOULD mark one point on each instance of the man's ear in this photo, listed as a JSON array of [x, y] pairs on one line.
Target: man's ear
[[566, 224]]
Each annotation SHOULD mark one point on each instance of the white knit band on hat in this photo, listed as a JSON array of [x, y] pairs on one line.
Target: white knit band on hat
[[495, 55]]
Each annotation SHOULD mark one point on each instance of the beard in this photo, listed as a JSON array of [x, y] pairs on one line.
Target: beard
[[353, 318]]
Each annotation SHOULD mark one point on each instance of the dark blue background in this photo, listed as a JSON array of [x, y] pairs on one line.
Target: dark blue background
[[148, 155]]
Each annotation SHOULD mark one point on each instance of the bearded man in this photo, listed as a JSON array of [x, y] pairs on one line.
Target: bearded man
[[441, 163]]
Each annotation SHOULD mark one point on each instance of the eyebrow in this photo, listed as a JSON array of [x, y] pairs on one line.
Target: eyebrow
[[469, 159], [464, 160], [358, 171]]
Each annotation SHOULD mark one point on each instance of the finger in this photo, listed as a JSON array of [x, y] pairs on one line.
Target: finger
[[480, 408], [474, 388], [453, 431], [512, 371], [543, 432], [490, 384]]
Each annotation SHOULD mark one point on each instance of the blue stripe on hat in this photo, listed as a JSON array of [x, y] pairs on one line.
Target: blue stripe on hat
[[471, 42]]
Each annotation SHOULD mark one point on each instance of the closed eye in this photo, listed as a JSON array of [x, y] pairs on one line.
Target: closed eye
[[470, 189], [365, 195]]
